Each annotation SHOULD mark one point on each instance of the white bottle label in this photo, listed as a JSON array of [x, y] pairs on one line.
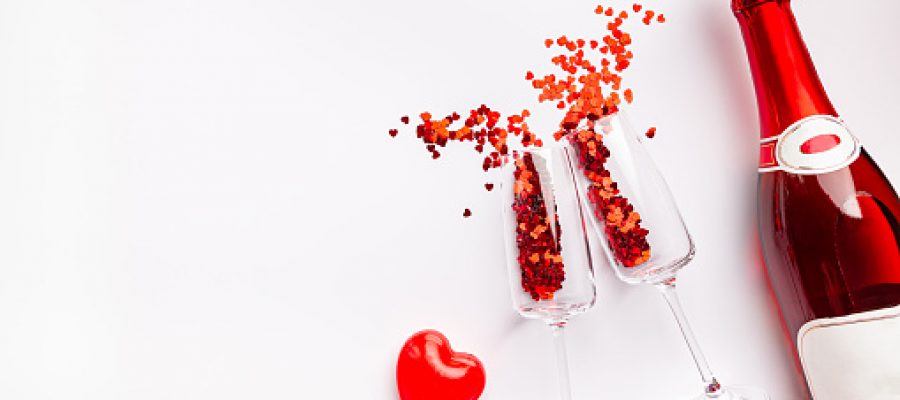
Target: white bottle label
[[854, 357], [814, 145]]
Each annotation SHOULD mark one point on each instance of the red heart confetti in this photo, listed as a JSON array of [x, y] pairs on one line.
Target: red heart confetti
[[589, 87]]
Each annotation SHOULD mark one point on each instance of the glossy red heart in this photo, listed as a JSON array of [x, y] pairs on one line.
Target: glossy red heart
[[428, 369]]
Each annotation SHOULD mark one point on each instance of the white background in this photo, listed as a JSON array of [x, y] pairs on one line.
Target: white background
[[200, 200]]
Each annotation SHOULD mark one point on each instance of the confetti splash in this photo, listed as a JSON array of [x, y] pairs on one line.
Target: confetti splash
[[589, 86]]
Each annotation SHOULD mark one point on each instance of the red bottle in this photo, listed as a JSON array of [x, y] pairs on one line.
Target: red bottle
[[828, 220]]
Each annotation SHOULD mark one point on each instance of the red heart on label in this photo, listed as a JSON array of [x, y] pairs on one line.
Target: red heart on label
[[428, 369], [820, 144]]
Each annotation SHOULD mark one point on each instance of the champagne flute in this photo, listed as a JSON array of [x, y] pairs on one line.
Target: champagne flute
[[639, 224], [550, 270]]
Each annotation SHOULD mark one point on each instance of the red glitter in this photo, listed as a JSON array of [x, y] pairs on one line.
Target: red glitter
[[404, 119], [538, 241], [651, 132], [587, 89], [482, 126], [467, 213], [589, 93], [489, 186], [626, 237], [392, 132]]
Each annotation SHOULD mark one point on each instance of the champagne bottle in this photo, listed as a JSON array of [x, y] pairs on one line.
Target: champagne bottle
[[828, 219]]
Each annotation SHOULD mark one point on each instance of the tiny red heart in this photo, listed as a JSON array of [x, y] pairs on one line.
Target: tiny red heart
[[820, 144], [428, 369]]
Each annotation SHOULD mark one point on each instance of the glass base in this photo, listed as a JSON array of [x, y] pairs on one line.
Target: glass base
[[736, 393]]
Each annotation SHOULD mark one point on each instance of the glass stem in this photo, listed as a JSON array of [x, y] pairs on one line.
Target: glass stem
[[712, 388], [562, 361]]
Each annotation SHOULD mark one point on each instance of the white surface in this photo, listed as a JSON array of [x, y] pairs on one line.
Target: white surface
[[200, 199]]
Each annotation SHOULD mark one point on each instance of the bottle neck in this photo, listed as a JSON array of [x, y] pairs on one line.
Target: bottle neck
[[787, 85]]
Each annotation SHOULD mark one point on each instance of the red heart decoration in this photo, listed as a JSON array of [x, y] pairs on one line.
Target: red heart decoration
[[428, 369]]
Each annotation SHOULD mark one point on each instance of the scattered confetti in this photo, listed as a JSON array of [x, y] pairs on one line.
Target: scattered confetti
[[587, 88]]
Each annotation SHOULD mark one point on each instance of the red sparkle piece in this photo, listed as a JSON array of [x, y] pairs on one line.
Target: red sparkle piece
[[467, 213], [489, 186], [392, 132]]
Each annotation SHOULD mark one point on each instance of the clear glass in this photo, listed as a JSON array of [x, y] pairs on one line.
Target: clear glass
[[550, 271], [637, 179]]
